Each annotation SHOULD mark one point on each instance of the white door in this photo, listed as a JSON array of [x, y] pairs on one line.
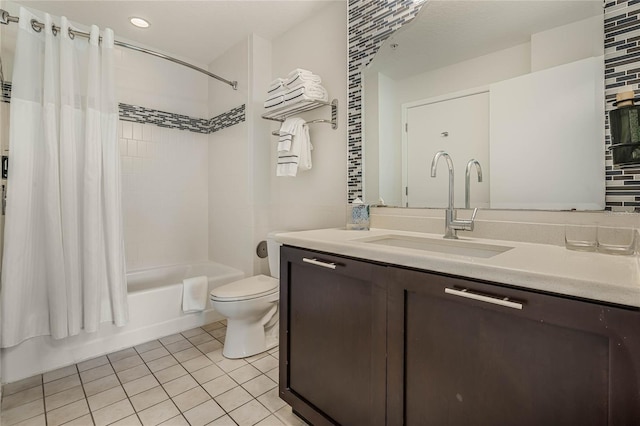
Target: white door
[[459, 126]]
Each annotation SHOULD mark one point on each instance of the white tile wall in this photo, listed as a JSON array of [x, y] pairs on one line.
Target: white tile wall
[[164, 186]]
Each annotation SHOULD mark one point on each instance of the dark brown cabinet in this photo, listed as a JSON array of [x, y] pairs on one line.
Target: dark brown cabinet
[[332, 338], [367, 344]]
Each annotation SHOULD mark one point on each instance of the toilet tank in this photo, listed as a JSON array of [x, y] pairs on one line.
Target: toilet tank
[[273, 252]]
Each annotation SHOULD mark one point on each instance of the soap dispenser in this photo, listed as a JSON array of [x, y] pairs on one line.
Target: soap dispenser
[[358, 215]]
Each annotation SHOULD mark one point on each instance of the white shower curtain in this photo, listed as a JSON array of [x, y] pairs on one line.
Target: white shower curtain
[[63, 266]]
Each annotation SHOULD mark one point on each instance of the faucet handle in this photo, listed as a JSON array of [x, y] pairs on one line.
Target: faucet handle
[[473, 215]]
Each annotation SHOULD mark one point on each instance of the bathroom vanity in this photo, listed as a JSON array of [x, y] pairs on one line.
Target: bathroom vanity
[[384, 327]]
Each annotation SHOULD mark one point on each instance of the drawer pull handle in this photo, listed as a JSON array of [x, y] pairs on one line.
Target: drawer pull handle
[[319, 263], [496, 301]]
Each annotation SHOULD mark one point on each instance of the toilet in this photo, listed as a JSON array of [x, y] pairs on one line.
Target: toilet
[[250, 306]]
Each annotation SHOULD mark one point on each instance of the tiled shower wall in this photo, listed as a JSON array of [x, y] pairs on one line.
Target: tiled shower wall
[[371, 22]]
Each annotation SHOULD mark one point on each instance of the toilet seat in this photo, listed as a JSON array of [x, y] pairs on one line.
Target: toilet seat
[[245, 289]]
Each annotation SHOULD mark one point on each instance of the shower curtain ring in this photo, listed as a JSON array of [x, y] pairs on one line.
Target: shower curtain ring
[[54, 30], [36, 26], [72, 35]]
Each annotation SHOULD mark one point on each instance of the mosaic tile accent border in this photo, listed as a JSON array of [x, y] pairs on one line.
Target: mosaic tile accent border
[[622, 73], [371, 22], [139, 114]]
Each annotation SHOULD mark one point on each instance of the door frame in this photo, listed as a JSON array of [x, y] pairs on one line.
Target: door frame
[[422, 102]]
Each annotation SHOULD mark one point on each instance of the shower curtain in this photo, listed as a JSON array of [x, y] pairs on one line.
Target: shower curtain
[[63, 266]]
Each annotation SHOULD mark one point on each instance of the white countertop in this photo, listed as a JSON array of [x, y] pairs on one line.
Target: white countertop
[[596, 276]]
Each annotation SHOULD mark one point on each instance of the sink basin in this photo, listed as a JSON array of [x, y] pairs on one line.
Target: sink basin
[[438, 245]]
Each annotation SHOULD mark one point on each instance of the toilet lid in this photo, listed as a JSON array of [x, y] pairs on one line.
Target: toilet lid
[[248, 288]]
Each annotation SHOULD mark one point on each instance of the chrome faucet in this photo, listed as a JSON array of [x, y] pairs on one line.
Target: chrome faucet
[[451, 223], [467, 181]]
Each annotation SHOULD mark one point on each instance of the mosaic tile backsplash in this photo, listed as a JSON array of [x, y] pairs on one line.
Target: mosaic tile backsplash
[[371, 22], [142, 115]]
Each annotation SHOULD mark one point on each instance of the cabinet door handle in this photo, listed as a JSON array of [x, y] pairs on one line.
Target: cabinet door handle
[[319, 263], [495, 300]]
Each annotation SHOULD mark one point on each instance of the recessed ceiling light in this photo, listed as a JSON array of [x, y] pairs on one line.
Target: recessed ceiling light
[[139, 22]]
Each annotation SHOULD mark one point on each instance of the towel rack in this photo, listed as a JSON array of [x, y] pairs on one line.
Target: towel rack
[[282, 113]]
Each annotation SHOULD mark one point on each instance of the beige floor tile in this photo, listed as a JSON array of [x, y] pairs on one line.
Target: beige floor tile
[[189, 399], [148, 398], [122, 354], [178, 346], [215, 356], [131, 420], [272, 420], [256, 357], [161, 363], [286, 416], [101, 385], [197, 363], [171, 339], [204, 413], [192, 332], [219, 385], [105, 398], [213, 326], [231, 364], [67, 413], [274, 374], [249, 413], [179, 385], [22, 412], [170, 373], [127, 363], [201, 338], [59, 373], [24, 384], [209, 346], [276, 355], [61, 384], [85, 420], [40, 420], [154, 354], [219, 332], [223, 421], [271, 400], [178, 420], [259, 385], [233, 399], [265, 364], [187, 354], [22, 397], [158, 413], [244, 373], [113, 413], [207, 373], [145, 347], [131, 374], [60, 399], [274, 350], [96, 373], [142, 384], [93, 363]]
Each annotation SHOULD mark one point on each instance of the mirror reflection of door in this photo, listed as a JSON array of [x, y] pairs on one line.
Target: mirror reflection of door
[[459, 126]]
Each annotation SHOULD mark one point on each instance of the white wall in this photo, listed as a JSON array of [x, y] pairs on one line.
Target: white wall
[[315, 198]]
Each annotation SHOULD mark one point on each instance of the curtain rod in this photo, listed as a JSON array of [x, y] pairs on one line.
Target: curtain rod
[[6, 18]]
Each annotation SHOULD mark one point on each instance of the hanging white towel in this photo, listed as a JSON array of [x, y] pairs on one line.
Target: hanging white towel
[[298, 157], [287, 132], [194, 294], [299, 75]]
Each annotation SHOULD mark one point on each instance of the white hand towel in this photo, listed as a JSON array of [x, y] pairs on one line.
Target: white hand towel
[[276, 86], [299, 75], [194, 294], [287, 131], [305, 92], [274, 102], [298, 157]]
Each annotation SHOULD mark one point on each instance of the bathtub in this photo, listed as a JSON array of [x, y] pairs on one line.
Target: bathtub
[[155, 310]]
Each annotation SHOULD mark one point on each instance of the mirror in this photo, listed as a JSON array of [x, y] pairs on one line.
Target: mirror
[[516, 85]]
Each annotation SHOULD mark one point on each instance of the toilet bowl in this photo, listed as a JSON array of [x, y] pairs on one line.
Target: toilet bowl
[[250, 306]]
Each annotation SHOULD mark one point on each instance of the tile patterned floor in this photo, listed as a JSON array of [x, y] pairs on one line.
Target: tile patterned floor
[[181, 379]]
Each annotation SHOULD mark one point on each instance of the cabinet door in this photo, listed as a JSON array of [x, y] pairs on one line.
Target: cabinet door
[[332, 338], [454, 360]]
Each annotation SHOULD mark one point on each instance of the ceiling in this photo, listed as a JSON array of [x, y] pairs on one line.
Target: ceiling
[[448, 32], [199, 31]]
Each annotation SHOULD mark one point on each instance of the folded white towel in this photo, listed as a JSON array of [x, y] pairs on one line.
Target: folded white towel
[[277, 85], [299, 75], [194, 294], [311, 91], [274, 102], [298, 157]]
